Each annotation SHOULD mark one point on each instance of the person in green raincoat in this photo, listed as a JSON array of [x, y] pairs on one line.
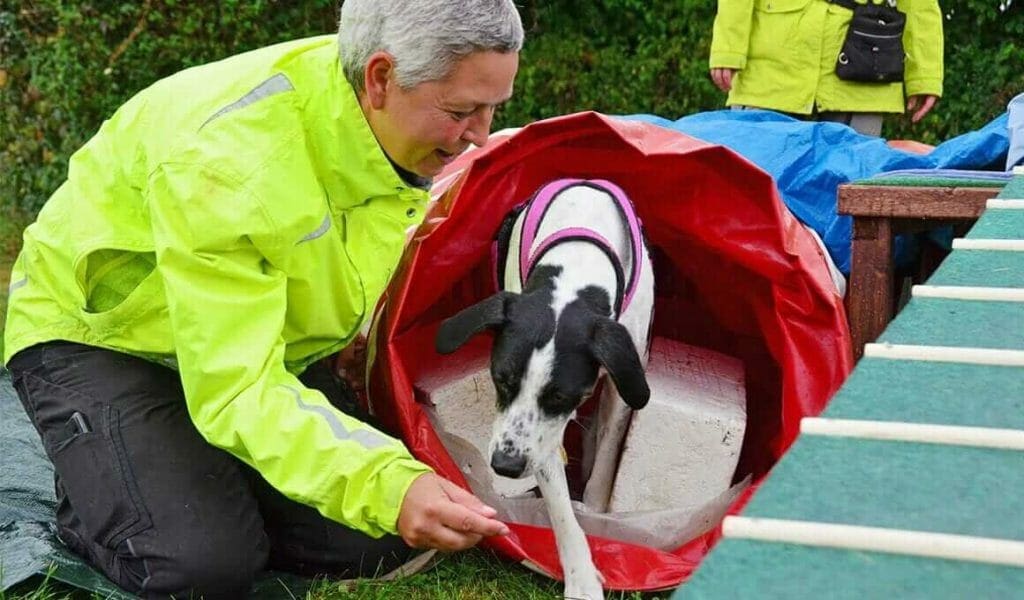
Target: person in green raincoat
[[781, 55], [226, 229]]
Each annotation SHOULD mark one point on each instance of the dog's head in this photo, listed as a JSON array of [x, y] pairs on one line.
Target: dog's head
[[544, 363]]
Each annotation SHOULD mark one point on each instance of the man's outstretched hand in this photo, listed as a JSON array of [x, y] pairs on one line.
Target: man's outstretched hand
[[436, 513]]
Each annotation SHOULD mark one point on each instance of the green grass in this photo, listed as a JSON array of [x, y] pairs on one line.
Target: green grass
[[472, 575]]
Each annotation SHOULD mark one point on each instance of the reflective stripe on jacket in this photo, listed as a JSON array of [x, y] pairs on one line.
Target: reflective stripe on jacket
[[786, 53], [237, 221]]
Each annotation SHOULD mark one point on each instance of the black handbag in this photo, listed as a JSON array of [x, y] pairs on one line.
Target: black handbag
[[872, 51]]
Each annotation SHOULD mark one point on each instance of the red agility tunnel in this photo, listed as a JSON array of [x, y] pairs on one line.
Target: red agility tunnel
[[735, 273]]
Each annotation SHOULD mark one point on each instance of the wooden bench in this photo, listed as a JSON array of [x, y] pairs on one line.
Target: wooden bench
[[879, 213]]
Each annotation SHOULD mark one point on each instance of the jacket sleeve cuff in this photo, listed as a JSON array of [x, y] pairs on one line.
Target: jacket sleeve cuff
[[393, 484], [727, 60], [931, 86]]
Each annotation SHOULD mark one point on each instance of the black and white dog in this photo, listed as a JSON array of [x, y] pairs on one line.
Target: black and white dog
[[577, 301]]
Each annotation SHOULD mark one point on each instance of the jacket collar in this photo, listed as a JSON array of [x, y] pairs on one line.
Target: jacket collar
[[346, 154]]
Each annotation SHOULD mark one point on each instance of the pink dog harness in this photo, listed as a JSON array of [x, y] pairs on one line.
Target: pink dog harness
[[536, 208]]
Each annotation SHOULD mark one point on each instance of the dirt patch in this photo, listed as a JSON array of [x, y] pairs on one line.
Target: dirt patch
[[10, 241], [5, 280]]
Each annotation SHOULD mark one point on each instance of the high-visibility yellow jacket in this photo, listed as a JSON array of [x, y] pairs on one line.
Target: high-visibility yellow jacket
[[786, 53], [237, 221]]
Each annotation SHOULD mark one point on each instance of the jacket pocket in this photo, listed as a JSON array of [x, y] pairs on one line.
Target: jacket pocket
[[89, 456], [116, 285], [781, 6]]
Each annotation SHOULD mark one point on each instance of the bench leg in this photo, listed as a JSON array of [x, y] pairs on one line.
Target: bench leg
[[869, 298]]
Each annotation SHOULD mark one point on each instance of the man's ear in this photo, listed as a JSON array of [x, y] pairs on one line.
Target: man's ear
[[377, 77]]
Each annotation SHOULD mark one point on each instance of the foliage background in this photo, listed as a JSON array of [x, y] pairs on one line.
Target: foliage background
[[64, 66]]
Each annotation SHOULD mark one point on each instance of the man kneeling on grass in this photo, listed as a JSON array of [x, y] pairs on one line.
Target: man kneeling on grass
[[225, 230]]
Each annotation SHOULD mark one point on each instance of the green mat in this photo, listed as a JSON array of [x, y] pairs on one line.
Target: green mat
[[904, 181], [1014, 189], [999, 225], [898, 485], [29, 547], [990, 268], [963, 323], [938, 393], [745, 569]]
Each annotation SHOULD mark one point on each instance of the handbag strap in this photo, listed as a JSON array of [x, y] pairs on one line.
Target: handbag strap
[[850, 4]]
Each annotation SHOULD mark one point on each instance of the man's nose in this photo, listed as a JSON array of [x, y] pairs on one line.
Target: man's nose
[[507, 464], [479, 128]]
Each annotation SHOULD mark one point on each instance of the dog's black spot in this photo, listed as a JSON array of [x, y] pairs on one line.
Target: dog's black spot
[[530, 326], [575, 369], [542, 279], [595, 298], [507, 447]]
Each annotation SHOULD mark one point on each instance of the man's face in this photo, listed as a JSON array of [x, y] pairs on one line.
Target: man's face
[[425, 127]]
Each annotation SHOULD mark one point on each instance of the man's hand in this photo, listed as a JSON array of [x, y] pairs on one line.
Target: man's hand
[[926, 102], [351, 364], [723, 78], [436, 513]]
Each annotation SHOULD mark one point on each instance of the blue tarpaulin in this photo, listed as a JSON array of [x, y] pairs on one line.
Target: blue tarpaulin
[[809, 160]]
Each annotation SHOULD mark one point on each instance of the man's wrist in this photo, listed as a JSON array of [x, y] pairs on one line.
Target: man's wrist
[[398, 484]]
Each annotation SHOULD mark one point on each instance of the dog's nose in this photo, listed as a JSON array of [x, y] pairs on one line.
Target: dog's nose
[[508, 465]]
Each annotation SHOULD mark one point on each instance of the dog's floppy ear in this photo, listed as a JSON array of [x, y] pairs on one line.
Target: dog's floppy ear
[[614, 349], [486, 314]]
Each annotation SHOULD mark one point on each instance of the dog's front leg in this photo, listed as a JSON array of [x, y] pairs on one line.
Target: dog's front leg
[[612, 423], [582, 579]]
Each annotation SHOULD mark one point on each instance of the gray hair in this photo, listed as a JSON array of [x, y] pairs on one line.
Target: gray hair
[[425, 37]]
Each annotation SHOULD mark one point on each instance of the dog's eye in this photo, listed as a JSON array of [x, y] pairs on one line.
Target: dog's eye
[[558, 404], [565, 401]]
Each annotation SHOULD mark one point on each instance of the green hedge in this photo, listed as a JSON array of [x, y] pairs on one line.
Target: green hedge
[[64, 66]]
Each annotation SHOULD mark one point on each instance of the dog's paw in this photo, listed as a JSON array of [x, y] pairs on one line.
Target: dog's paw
[[586, 587]]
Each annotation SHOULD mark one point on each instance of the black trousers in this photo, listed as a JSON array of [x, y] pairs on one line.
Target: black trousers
[[146, 500]]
